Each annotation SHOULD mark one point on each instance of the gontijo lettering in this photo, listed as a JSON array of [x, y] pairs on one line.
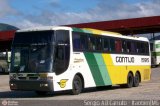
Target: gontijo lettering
[[121, 59]]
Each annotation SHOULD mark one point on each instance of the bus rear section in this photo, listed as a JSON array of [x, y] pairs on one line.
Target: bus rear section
[[111, 59]]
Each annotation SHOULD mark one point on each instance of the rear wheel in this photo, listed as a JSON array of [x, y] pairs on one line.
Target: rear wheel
[[136, 80], [77, 85], [129, 80]]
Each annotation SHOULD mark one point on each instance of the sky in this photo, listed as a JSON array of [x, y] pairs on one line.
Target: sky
[[34, 13]]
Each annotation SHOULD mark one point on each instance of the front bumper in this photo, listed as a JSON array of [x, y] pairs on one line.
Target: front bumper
[[31, 85]]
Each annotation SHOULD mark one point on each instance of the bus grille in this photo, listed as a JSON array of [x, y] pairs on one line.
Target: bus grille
[[22, 78], [33, 78], [28, 78]]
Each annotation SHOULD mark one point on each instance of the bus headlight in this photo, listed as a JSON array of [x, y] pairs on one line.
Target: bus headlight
[[43, 85]]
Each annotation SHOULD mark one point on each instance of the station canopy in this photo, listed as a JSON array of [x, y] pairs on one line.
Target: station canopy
[[6, 36], [141, 25], [132, 26], [7, 32]]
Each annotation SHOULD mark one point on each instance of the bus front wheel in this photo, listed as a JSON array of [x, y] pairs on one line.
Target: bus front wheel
[[77, 85]]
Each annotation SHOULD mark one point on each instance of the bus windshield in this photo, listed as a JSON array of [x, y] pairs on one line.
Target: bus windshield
[[32, 52]]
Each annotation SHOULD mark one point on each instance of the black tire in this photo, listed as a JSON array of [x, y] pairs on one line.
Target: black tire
[[42, 93], [136, 80], [130, 81], [77, 85]]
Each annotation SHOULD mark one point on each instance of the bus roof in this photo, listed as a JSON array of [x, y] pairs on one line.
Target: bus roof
[[95, 31], [84, 30], [108, 33], [44, 28]]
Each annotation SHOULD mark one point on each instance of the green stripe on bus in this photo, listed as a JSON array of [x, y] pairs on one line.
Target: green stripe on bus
[[77, 30], [94, 69], [155, 53], [157, 45], [103, 69], [81, 30]]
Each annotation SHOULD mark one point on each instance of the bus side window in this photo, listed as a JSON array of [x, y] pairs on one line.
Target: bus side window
[[91, 43], [105, 44], [79, 41], [83, 44], [133, 47], [124, 46], [142, 48], [76, 41], [112, 45], [139, 47], [118, 44], [147, 48], [62, 36], [128, 47], [98, 43]]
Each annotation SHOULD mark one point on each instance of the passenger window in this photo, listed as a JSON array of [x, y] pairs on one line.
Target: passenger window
[[62, 36], [76, 42], [83, 40], [133, 47], [147, 48], [79, 41], [124, 46], [128, 47], [105, 45], [112, 45], [142, 48], [98, 43], [138, 47], [91, 43], [118, 46]]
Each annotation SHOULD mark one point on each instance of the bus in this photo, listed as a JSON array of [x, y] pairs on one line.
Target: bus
[[155, 52], [48, 59]]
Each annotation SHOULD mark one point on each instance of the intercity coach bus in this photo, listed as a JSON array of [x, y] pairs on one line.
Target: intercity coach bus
[[155, 52], [50, 59]]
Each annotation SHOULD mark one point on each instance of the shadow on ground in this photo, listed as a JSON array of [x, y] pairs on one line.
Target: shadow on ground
[[32, 94]]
